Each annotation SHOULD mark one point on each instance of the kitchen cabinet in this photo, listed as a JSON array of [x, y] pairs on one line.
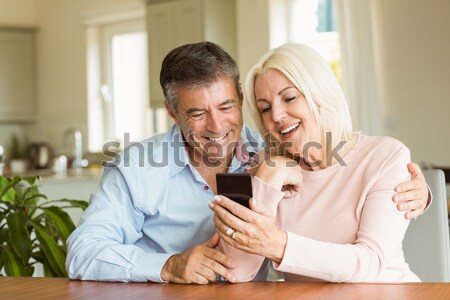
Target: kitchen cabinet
[[173, 23], [17, 74]]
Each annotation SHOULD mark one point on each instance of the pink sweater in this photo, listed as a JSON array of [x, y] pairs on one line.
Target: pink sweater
[[342, 226]]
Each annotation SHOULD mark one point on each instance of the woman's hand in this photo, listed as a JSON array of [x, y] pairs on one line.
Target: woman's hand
[[253, 231], [282, 173], [413, 195]]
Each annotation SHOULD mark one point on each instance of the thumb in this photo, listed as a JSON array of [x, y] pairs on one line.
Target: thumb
[[213, 241], [415, 171], [260, 207]]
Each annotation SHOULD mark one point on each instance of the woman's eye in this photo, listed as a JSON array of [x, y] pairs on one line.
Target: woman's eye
[[290, 99], [264, 109]]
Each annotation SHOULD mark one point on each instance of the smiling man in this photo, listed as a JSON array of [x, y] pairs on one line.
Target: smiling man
[[149, 219]]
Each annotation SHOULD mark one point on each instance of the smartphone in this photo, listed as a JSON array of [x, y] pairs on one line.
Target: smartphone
[[237, 187]]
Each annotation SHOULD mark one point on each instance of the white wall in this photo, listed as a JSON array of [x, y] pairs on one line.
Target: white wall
[[62, 91], [17, 12], [412, 47], [252, 38]]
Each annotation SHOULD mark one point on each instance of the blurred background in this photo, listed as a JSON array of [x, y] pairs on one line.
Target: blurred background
[[75, 75]]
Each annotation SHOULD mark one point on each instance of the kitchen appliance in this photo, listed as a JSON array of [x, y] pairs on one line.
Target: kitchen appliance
[[40, 155]]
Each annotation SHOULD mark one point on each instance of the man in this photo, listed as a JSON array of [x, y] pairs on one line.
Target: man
[[149, 218]]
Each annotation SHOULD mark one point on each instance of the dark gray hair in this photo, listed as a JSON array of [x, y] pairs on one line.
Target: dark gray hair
[[196, 65]]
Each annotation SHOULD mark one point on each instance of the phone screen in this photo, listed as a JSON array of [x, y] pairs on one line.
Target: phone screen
[[237, 187]]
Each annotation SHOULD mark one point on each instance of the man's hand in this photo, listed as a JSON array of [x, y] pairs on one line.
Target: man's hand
[[413, 195], [198, 264]]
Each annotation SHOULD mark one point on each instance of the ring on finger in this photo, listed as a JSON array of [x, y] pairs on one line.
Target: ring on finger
[[230, 231], [234, 235]]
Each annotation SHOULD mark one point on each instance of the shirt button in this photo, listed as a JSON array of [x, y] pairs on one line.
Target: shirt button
[[206, 188]]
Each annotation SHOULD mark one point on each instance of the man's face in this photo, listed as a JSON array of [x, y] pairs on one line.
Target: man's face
[[210, 118]]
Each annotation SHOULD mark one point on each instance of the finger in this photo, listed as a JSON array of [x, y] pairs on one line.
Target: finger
[[222, 227], [215, 256], [199, 279], [216, 268], [230, 212], [206, 272], [415, 171], [236, 209], [410, 205], [213, 241], [413, 195], [260, 208], [414, 184], [240, 241], [412, 215]]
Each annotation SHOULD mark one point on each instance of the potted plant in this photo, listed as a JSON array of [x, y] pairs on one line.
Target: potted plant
[[32, 229]]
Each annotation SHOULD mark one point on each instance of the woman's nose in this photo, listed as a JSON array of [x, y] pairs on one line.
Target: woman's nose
[[278, 113]]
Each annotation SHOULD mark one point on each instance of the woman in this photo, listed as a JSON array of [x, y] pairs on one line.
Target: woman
[[338, 222]]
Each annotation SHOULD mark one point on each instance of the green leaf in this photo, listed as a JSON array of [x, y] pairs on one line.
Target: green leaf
[[29, 200], [61, 219], [13, 265], [76, 203], [54, 254], [19, 237], [31, 179], [7, 193]]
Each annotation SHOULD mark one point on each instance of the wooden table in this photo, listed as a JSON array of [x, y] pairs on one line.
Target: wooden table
[[60, 288]]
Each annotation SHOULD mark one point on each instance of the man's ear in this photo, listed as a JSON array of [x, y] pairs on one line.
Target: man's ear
[[171, 112]]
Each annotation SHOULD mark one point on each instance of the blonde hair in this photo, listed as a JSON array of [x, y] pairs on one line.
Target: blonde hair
[[313, 77]]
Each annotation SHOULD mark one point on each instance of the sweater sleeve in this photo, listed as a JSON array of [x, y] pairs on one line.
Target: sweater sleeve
[[378, 239], [249, 264]]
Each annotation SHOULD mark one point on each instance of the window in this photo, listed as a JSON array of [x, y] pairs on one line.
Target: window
[[310, 22], [117, 79]]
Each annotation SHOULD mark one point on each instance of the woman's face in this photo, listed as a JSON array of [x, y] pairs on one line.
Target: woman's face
[[286, 115]]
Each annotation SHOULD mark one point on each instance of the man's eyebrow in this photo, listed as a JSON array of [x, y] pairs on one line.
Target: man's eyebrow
[[228, 101], [194, 110]]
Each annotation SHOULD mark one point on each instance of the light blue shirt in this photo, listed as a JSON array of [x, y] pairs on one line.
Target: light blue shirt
[[150, 204]]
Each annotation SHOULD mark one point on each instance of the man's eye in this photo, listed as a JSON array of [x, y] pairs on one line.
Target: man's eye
[[197, 116], [226, 108]]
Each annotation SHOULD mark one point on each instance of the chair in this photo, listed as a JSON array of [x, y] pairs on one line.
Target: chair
[[426, 245]]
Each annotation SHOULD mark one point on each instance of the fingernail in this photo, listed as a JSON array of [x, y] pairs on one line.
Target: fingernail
[[217, 198], [210, 204], [398, 189], [254, 201]]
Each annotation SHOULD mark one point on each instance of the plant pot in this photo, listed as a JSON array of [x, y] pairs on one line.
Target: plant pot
[[18, 166]]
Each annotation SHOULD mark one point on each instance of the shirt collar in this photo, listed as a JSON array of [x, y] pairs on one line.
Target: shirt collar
[[179, 157]]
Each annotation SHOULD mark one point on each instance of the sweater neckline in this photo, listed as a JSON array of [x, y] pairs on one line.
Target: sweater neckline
[[347, 158]]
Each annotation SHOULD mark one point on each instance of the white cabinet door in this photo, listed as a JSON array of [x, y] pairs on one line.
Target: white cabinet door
[[178, 22], [160, 20], [17, 74]]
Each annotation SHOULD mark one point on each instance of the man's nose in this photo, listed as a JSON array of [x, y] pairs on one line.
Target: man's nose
[[214, 122]]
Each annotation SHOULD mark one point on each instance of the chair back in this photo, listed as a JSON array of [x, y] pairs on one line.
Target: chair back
[[426, 245]]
